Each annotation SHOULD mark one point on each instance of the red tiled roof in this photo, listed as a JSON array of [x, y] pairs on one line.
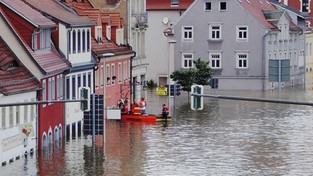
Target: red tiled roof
[[256, 8], [166, 4], [112, 19], [49, 61], [29, 14], [60, 12], [16, 80]]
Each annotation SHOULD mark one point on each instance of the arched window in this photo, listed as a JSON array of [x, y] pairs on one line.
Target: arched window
[[78, 41], [88, 40], [84, 40], [74, 41]]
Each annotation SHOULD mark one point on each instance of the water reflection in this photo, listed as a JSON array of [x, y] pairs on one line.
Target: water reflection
[[227, 138]]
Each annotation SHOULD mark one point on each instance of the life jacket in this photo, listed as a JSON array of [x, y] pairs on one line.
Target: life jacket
[[137, 111]]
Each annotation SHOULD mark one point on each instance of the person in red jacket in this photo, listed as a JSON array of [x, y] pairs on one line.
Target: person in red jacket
[[165, 111], [142, 105]]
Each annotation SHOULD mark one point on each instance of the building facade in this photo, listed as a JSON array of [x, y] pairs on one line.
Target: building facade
[[162, 16], [239, 43]]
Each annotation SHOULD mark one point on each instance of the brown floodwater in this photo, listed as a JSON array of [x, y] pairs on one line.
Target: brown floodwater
[[226, 138]]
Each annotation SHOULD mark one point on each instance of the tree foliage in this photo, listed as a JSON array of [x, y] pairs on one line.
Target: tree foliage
[[198, 75]]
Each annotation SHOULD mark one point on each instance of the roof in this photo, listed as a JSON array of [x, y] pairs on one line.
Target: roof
[[49, 62], [166, 5], [29, 14], [112, 19], [60, 12], [17, 79], [256, 9], [291, 9]]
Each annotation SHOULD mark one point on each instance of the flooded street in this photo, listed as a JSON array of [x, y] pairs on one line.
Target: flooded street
[[226, 138]]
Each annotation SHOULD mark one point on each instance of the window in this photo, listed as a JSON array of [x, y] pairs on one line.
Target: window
[[69, 42], [119, 74], [67, 87], [107, 73], [187, 60], [98, 31], [207, 6], [215, 60], [32, 111], [60, 87], [25, 113], [13, 65], [79, 80], [215, 32], [11, 115], [174, 2], [108, 32], [187, 33], [242, 60], [242, 33], [17, 116], [79, 41], [113, 73], [44, 90], [89, 80], [73, 87], [305, 5], [88, 40], [102, 76], [84, 80], [84, 40], [41, 40], [74, 41], [223, 6], [3, 116]]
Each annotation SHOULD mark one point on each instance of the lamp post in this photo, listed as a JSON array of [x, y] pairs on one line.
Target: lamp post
[[105, 55]]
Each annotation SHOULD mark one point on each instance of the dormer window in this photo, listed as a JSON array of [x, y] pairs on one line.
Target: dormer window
[[174, 2], [98, 34], [41, 40], [13, 65], [108, 32]]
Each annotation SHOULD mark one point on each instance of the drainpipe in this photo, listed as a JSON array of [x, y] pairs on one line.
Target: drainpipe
[[131, 77], [34, 33], [268, 32]]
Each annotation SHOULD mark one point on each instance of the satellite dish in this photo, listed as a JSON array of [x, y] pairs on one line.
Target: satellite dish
[[165, 20]]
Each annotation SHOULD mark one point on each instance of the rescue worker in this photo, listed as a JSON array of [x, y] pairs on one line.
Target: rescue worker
[[142, 105], [165, 110], [136, 110]]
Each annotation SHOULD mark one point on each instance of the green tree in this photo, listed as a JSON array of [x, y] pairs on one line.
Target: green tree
[[198, 75]]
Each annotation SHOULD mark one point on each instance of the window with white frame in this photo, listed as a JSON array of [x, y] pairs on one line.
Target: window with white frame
[[74, 41], [107, 73], [18, 113], [32, 111], [60, 86], [187, 33], [25, 113], [44, 90], [11, 115], [207, 6], [223, 6], [44, 37], [102, 76], [215, 60], [3, 116], [187, 60], [242, 33], [119, 74], [98, 31], [108, 32], [241, 60], [113, 73], [215, 31]]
